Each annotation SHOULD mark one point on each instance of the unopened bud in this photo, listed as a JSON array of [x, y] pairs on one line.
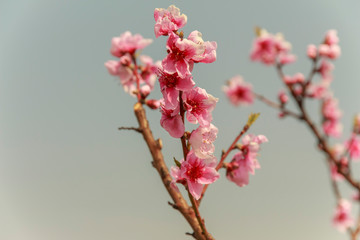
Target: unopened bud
[[145, 91], [153, 103], [283, 97], [311, 51]]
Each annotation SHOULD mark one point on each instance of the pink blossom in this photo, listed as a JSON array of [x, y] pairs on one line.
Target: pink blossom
[[199, 105], [245, 162], [127, 43], [263, 50], [283, 97], [124, 69], [331, 115], [171, 84], [171, 121], [338, 151], [267, 48], [145, 91], [298, 89], [182, 54], [325, 70], [330, 109], [353, 146], [312, 51], [319, 90], [209, 54], [196, 172], [124, 72], [297, 78], [355, 196], [238, 91], [168, 20], [285, 58], [329, 51], [202, 139], [331, 37], [113, 67], [332, 128], [342, 219], [148, 70]]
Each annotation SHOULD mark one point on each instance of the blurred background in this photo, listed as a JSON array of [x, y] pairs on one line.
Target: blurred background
[[66, 172]]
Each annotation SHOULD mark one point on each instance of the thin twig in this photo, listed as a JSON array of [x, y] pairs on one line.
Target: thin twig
[[277, 106], [223, 157], [322, 142], [131, 128]]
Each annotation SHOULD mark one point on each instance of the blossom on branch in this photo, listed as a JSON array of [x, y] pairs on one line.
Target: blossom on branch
[[171, 121], [245, 161], [128, 43], [202, 139], [353, 146], [168, 20], [196, 172], [268, 48], [171, 84], [238, 91], [331, 115], [342, 219], [199, 105]]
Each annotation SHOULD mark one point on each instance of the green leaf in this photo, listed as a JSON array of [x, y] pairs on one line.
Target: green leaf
[[177, 163], [252, 118]]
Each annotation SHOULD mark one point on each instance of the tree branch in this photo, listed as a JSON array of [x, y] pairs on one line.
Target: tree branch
[[159, 164]]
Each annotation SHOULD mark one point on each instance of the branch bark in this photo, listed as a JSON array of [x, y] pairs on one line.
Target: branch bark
[[159, 164]]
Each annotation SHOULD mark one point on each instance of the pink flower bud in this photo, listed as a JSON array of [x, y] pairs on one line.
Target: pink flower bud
[[311, 51], [153, 103], [324, 50], [283, 97], [331, 37], [145, 91], [285, 58]]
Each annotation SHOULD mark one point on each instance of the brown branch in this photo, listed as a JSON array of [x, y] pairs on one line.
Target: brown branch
[[135, 71], [311, 76], [131, 128], [185, 152], [322, 142], [356, 232], [277, 106], [334, 185], [159, 164]]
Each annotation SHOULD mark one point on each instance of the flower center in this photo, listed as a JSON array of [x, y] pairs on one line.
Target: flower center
[[195, 171]]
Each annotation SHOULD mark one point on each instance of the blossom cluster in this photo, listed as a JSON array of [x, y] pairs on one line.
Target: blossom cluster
[[274, 50], [183, 100], [137, 80], [244, 161], [270, 49]]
